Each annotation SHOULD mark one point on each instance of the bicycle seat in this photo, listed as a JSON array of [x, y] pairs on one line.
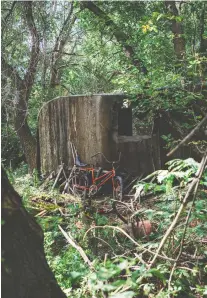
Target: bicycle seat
[[79, 163]]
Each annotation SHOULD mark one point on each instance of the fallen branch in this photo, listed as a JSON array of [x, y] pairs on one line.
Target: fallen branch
[[200, 258], [189, 136], [58, 175], [41, 213], [122, 203], [76, 246]]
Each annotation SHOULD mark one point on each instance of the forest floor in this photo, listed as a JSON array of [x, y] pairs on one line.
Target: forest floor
[[116, 261]]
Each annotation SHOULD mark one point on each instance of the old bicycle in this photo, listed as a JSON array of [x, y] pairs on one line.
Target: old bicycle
[[85, 180]]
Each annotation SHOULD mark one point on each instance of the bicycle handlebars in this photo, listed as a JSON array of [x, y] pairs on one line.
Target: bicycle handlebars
[[117, 161]]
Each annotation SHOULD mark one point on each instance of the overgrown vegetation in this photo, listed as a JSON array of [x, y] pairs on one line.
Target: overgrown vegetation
[[144, 49], [155, 52], [121, 264]]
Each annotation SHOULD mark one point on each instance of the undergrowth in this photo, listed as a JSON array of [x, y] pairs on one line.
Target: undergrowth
[[120, 268]]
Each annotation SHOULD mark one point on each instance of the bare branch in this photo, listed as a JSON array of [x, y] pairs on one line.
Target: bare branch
[[76, 246], [189, 136], [8, 15], [60, 43]]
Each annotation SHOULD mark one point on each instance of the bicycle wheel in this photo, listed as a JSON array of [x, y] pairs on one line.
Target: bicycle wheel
[[118, 188], [79, 185]]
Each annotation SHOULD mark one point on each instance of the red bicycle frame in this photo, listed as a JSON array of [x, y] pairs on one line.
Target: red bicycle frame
[[103, 178], [96, 182]]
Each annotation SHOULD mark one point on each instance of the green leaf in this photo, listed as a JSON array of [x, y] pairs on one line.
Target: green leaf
[[105, 273], [108, 287], [157, 273], [75, 274]]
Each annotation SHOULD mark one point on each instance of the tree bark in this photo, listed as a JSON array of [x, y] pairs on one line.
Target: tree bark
[[178, 40], [27, 140], [25, 272]]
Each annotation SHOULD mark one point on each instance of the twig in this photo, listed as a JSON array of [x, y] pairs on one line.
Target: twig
[[201, 258], [4, 21], [67, 214], [47, 180], [76, 246], [189, 136], [122, 203], [105, 243], [127, 235], [58, 175], [105, 258], [121, 289], [139, 258], [41, 213]]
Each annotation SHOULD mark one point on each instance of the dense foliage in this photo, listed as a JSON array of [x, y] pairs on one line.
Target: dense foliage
[[153, 51], [156, 53]]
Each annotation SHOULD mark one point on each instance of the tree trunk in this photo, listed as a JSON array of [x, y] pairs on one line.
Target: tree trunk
[[25, 272], [28, 143], [203, 41], [178, 40], [23, 131]]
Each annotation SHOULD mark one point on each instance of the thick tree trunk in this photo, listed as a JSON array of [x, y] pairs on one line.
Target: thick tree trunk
[[203, 41], [178, 40], [25, 272], [23, 131], [28, 143]]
